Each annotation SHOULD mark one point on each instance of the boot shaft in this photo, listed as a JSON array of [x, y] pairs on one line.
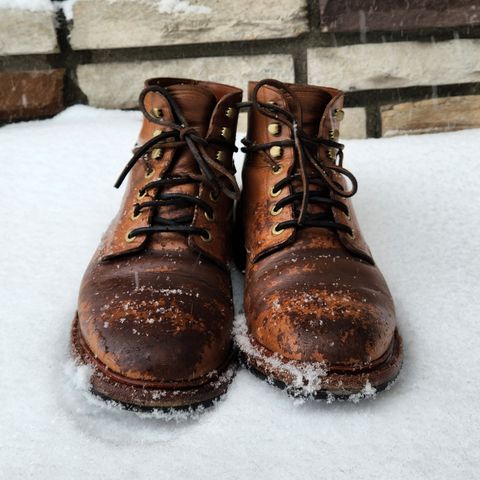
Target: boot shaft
[[293, 137], [201, 118]]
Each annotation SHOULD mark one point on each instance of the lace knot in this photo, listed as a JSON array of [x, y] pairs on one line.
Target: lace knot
[[187, 131]]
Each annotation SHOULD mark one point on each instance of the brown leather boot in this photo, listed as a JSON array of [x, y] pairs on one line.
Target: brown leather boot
[[155, 307], [320, 317]]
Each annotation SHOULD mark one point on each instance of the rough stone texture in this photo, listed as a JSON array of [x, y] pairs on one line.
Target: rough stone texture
[[354, 124], [117, 85], [23, 31], [396, 15], [399, 64], [26, 95], [433, 115], [133, 23]]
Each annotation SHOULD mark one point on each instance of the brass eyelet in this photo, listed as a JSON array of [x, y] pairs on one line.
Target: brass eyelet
[[141, 195], [212, 197], [332, 153], [347, 216], [230, 112], [225, 132], [128, 238], [339, 114], [220, 156], [334, 134], [276, 151], [274, 211], [208, 217], [277, 169], [156, 112], [134, 215], [149, 174], [274, 129], [276, 231], [207, 237], [156, 133], [273, 193], [157, 153], [351, 235]]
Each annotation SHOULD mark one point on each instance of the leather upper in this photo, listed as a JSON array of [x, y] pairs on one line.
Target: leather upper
[[162, 317], [158, 307], [204, 104], [311, 294], [319, 105]]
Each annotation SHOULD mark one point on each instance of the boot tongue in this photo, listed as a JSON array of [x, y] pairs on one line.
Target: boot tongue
[[313, 101], [196, 104]]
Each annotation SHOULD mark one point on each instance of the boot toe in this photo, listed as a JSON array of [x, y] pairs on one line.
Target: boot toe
[[165, 330], [313, 318], [317, 325]]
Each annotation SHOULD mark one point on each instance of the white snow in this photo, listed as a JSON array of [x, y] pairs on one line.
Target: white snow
[[418, 204], [304, 379], [172, 6], [31, 5], [66, 6], [180, 6], [163, 6]]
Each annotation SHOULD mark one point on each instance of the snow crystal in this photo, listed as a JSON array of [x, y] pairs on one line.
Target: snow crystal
[[418, 206], [367, 392]]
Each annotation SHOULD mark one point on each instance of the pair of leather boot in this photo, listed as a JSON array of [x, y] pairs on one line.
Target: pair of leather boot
[[155, 310]]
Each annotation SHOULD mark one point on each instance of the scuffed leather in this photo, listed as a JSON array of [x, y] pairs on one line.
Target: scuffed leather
[[315, 295], [159, 309], [159, 316]]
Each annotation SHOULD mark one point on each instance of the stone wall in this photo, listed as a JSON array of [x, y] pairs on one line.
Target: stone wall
[[408, 66]]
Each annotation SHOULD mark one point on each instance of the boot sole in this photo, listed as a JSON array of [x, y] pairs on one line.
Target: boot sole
[[314, 380], [148, 396]]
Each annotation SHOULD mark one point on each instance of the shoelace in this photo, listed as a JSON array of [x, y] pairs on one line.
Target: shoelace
[[217, 178], [307, 156]]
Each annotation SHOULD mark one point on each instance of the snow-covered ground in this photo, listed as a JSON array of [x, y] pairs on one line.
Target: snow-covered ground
[[418, 203]]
